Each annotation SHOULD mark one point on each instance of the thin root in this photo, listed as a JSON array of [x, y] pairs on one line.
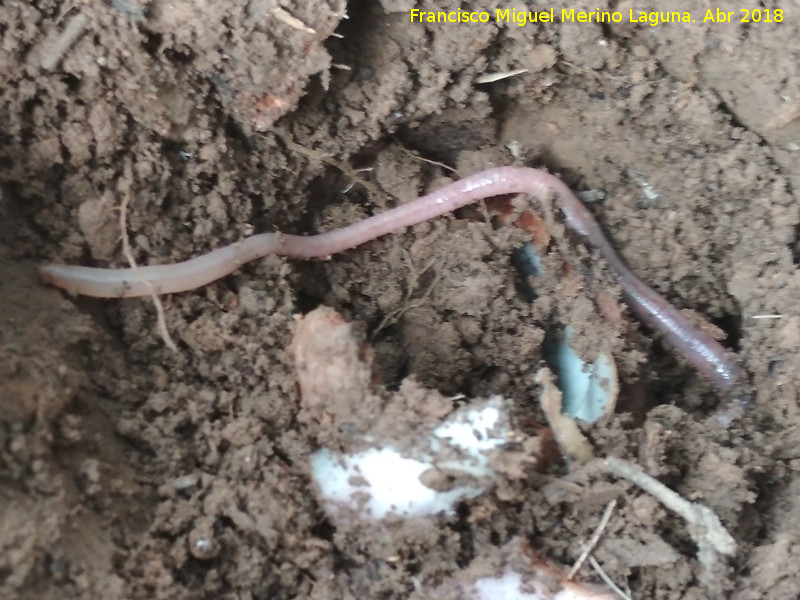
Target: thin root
[[608, 581], [706, 529], [315, 155], [587, 550], [414, 276], [126, 251]]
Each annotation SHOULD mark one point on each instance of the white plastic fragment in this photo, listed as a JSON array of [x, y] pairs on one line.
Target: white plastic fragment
[[473, 432], [380, 482], [387, 479], [511, 586], [589, 389], [511, 573]]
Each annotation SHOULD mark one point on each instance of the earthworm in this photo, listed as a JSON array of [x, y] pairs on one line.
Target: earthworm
[[699, 348]]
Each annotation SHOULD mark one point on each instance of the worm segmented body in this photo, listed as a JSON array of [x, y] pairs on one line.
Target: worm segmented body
[[704, 352]]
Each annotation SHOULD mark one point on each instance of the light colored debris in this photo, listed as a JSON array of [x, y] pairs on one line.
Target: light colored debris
[[53, 53], [492, 77], [589, 389], [590, 196], [587, 550], [161, 318], [511, 572], [291, 21], [386, 480], [129, 7], [572, 442], [704, 526], [604, 576]]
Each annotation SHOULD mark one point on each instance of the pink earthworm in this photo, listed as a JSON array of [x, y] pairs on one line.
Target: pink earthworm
[[699, 348]]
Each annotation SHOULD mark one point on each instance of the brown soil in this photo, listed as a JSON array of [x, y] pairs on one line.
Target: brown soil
[[130, 471]]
